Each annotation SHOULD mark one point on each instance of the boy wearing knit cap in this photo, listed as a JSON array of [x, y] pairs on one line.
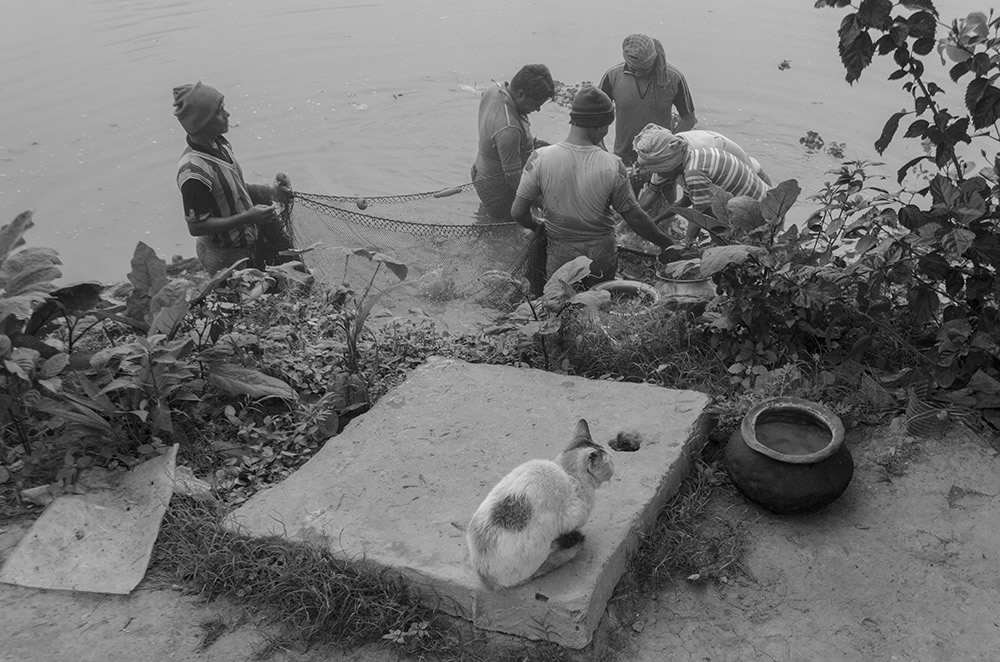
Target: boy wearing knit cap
[[226, 216], [646, 89], [578, 184]]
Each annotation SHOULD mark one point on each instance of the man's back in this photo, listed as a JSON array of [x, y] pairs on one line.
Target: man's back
[[704, 168], [578, 185]]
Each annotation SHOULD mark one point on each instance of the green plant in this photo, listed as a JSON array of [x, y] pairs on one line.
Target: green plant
[[876, 276], [942, 265], [541, 320], [26, 279], [121, 403], [350, 383]]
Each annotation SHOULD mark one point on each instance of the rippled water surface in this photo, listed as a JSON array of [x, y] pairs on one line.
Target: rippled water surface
[[356, 98]]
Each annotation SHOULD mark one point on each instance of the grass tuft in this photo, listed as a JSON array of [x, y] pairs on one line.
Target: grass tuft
[[297, 586], [310, 596], [692, 539]]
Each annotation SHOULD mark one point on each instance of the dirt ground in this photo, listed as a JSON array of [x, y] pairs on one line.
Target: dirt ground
[[904, 566]]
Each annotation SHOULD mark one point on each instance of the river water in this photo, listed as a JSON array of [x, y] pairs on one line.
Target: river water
[[377, 98]]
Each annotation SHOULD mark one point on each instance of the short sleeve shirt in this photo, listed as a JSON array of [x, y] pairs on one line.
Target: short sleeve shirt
[[505, 139], [578, 187], [638, 104], [705, 167]]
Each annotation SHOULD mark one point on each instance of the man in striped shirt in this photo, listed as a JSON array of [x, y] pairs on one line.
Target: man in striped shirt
[[698, 170], [223, 212]]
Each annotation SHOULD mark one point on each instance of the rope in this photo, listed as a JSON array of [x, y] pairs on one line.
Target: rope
[[390, 199]]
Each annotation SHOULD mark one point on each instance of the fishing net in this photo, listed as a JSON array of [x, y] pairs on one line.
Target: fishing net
[[444, 238]]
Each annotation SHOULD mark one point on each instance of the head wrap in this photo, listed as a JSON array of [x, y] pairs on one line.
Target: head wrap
[[658, 150], [639, 51], [591, 108], [195, 105]]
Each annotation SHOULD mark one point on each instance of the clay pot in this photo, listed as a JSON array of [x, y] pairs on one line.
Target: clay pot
[[788, 455]]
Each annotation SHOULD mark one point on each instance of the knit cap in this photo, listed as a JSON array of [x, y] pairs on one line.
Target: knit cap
[[591, 108], [195, 105]]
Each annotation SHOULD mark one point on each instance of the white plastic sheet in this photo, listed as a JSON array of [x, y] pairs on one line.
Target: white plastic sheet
[[100, 541]]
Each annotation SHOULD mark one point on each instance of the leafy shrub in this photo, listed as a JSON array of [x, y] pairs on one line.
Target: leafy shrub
[[877, 275]]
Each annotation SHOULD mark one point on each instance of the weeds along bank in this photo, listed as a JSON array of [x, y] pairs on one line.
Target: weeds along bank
[[891, 284]]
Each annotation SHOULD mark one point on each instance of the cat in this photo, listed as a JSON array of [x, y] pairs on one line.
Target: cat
[[529, 523]]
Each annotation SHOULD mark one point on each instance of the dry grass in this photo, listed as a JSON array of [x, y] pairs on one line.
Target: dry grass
[[310, 597], [693, 539], [299, 587]]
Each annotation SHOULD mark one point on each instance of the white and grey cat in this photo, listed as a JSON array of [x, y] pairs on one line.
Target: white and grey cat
[[529, 523]]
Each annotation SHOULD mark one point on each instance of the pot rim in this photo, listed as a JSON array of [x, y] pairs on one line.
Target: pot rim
[[818, 411], [633, 287]]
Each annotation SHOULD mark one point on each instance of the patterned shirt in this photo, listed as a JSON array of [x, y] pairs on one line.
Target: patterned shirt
[[212, 185], [705, 167]]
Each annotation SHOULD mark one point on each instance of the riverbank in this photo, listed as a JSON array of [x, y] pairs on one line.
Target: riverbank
[[902, 567]]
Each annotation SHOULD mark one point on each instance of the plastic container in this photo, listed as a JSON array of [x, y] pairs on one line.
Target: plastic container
[[925, 419]]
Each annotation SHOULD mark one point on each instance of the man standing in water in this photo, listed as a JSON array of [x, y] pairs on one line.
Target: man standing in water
[[646, 89], [505, 139], [578, 183], [224, 214]]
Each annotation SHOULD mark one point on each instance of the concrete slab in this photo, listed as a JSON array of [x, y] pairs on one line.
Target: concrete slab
[[399, 485]]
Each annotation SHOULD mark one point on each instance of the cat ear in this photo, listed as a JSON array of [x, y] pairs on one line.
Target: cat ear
[[594, 457], [583, 430]]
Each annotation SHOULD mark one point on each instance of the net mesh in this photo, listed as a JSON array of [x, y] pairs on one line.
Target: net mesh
[[443, 237]]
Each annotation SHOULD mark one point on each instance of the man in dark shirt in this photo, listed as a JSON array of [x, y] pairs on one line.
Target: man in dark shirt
[[505, 139]]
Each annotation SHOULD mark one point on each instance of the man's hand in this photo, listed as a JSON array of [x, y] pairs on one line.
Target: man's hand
[[261, 214], [670, 254], [282, 188]]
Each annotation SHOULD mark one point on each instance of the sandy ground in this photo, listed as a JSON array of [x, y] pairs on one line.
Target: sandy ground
[[903, 567]]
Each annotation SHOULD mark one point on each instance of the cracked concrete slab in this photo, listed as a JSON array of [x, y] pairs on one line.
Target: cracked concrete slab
[[399, 484]]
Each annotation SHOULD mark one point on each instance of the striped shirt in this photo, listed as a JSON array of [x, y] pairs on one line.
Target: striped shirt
[[705, 167], [223, 177]]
